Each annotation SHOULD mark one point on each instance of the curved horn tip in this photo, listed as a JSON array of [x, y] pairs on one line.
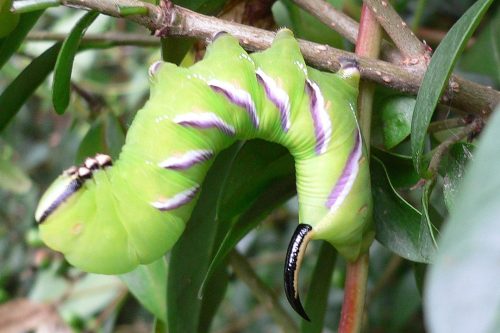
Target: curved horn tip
[[297, 306], [295, 252]]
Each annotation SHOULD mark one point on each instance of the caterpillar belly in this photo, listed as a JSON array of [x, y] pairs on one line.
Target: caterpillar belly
[[108, 217]]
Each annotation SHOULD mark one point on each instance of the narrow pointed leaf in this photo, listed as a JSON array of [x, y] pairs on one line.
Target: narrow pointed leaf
[[61, 87], [24, 85], [437, 75], [147, 284], [11, 43], [210, 303]]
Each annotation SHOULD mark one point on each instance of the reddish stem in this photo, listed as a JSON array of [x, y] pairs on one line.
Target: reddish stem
[[354, 295], [369, 36], [367, 45]]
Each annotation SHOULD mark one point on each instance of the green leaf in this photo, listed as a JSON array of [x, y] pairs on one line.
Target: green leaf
[[397, 223], [275, 195], [191, 255], [396, 119], [216, 289], [317, 295], [426, 233], [9, 19], [257, 166], [148, 284], [11, 43], [400, 168], [174, 48], [462, 293], [459, 155], [23, 86], [61, 87], [159, 326], [437, 74], [261, 178], [477, 60]]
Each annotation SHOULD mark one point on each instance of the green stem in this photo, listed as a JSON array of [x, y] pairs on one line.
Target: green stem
[[354, 295], [33, 5], [132, 10]]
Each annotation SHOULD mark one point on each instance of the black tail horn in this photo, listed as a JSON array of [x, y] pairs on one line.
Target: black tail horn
[[294, 255]]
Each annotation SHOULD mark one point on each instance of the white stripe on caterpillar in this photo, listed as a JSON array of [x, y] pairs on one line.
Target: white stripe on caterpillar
[[177, 200], [187, 160], [237, 96], [277, 96], [204, 120], [321, 120], [348, 176], [154, 68]]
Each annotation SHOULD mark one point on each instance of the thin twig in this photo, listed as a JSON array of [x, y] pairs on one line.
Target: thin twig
[[469, 96], [94, 102], [444, 146], [441, 125], [405, 40], [345, 26], [262, 292]]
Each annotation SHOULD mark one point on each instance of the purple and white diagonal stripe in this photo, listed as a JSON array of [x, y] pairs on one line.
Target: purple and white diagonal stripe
[[237, 96], [177, 200], [204, 120], [154, 68], [321, 120], [277, 96], [186, 160], [348, 176]]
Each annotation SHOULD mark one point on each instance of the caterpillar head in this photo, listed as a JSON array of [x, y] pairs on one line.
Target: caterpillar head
[[70, 222], [68, 184], [99, 219]]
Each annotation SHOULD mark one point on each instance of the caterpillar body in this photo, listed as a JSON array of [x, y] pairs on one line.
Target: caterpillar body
[[110, 217]]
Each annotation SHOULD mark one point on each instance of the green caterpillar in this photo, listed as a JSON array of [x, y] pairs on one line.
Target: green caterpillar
[[111, 217]]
